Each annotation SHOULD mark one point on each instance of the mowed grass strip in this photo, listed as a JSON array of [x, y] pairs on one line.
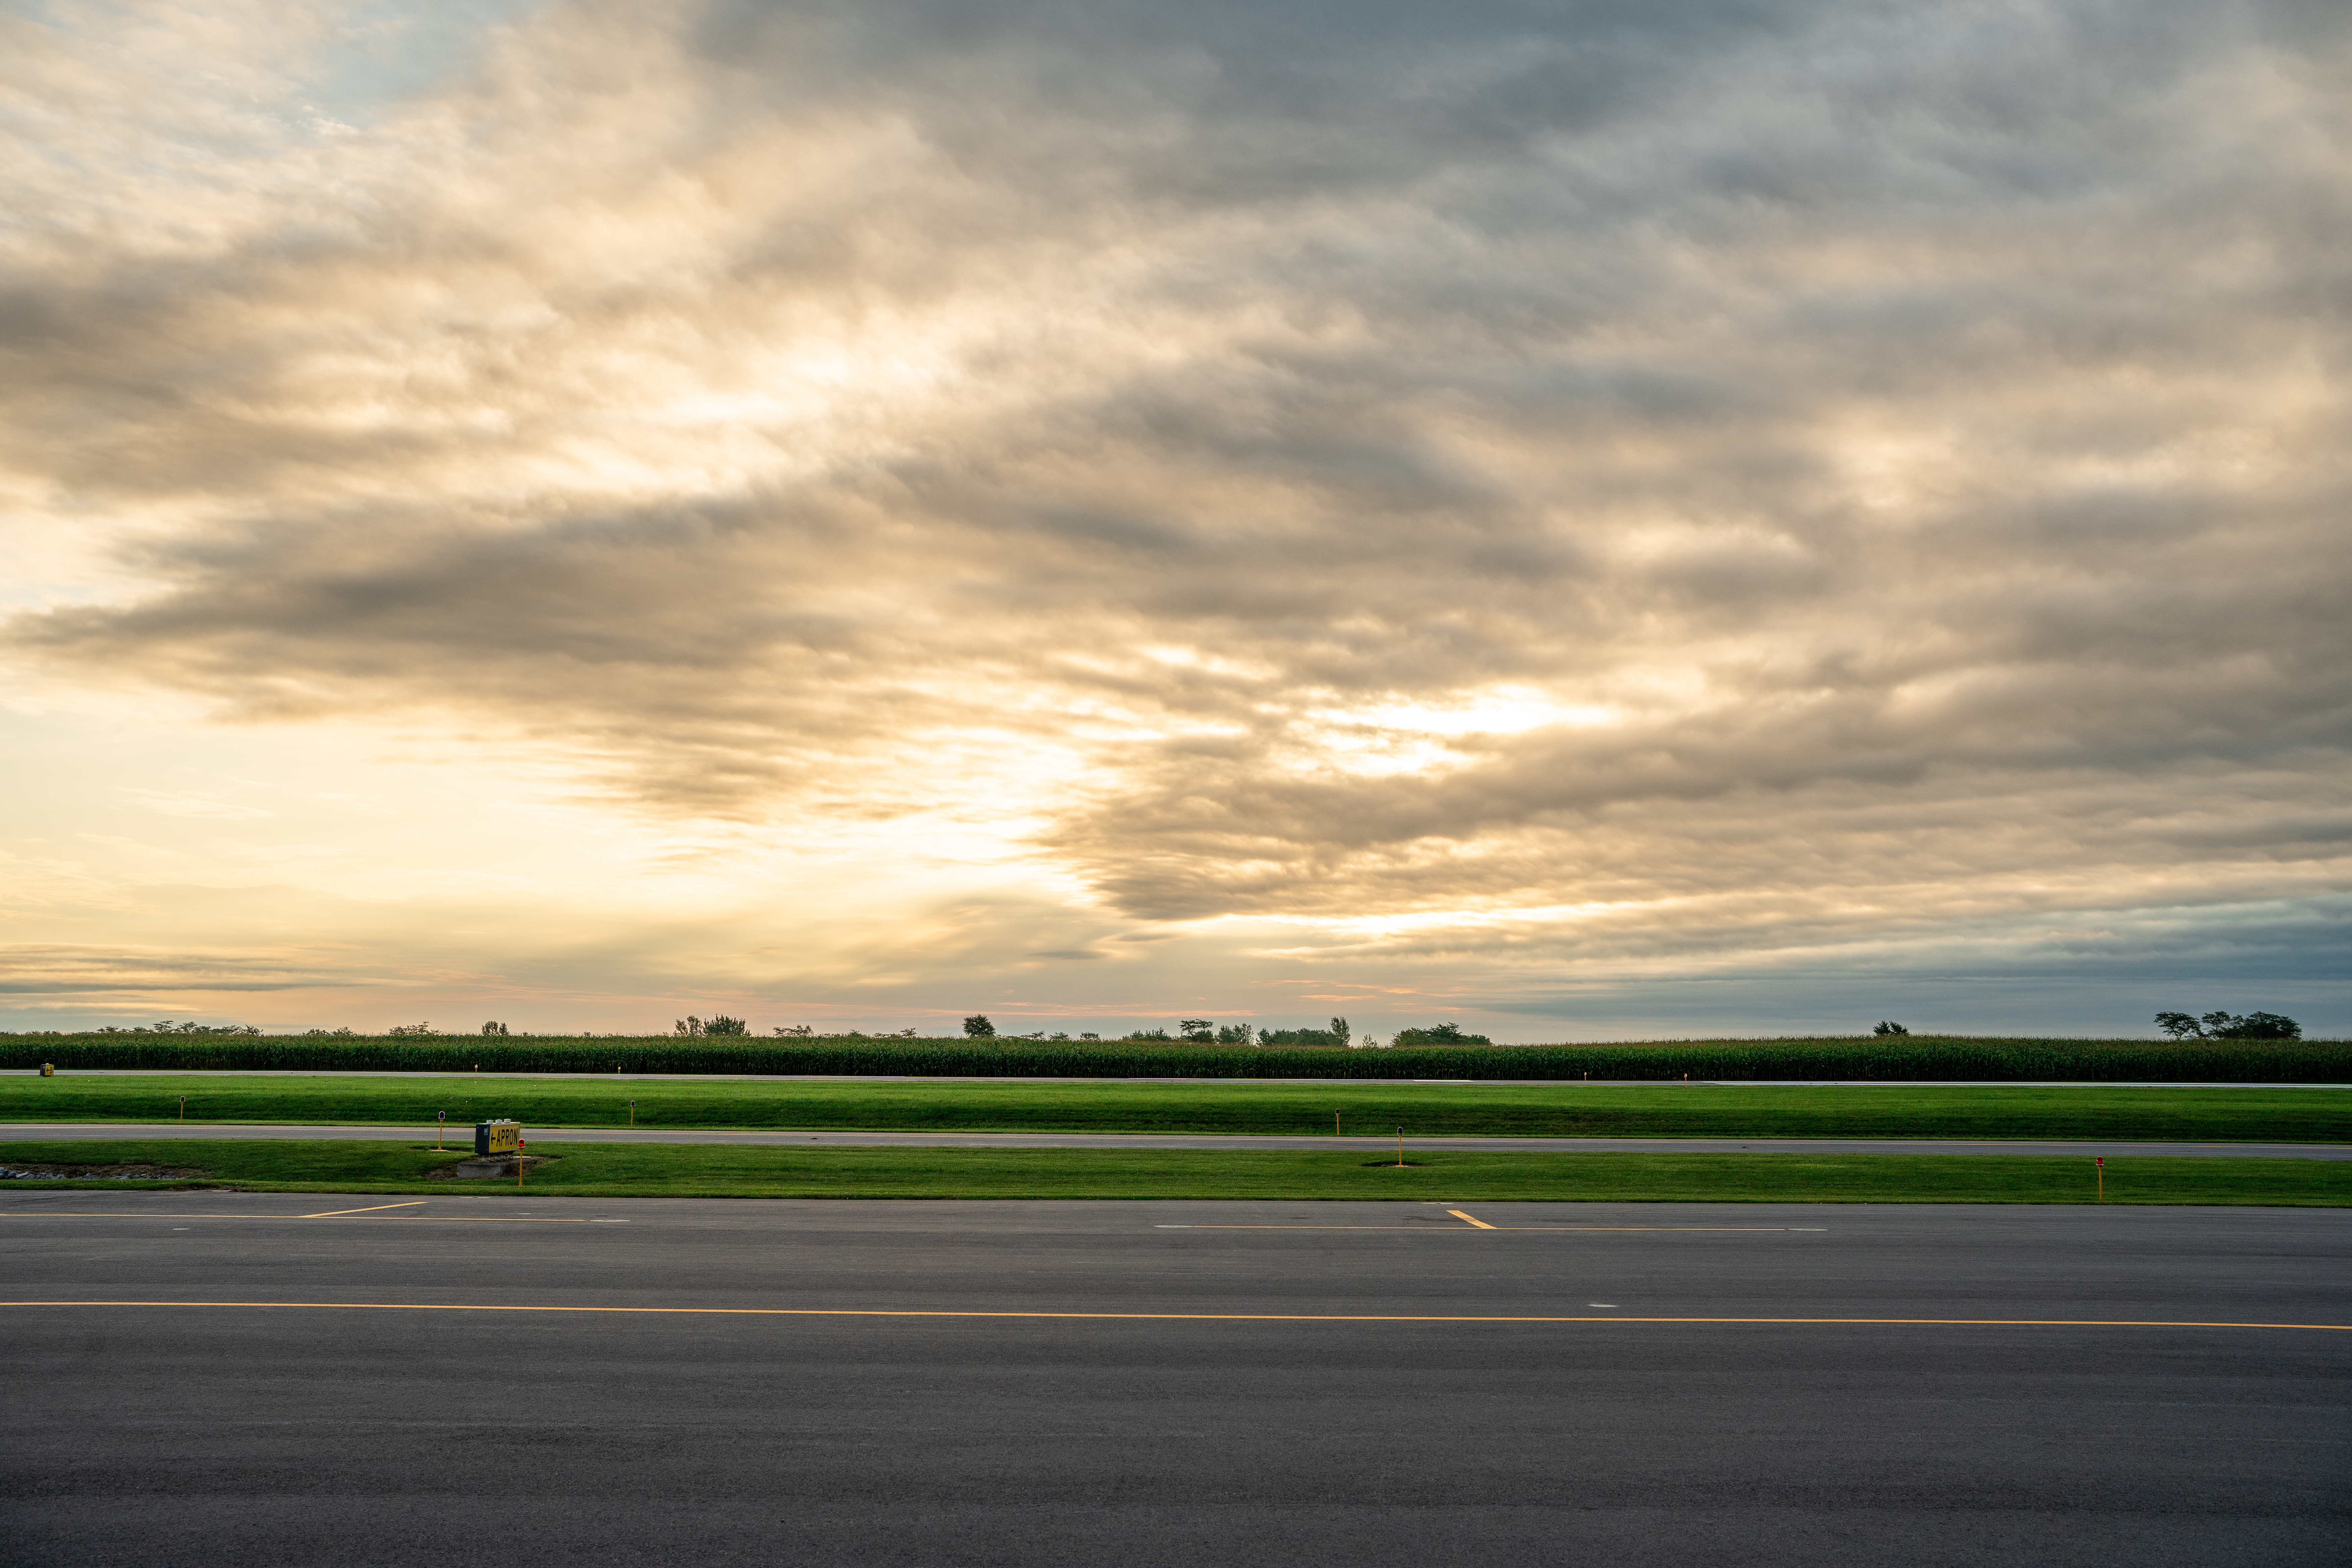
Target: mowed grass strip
[[638, 1170], [1423, 1109]]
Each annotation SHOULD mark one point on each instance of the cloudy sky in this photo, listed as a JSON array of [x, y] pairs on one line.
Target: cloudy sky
[[1589, 520]]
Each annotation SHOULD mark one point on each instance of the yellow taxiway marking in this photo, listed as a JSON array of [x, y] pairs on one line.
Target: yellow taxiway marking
[[376, 1209], [1190, 1316], [1481, 1223]]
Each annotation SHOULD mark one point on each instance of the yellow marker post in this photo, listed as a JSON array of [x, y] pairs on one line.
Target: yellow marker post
[[2101, 1161], [184, 1108], [440, 1126], [1335, 1124], [1399, 1148], [633, 1113], [520, 1142]]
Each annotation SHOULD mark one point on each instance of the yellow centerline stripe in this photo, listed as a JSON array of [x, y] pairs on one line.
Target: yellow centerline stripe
[[568, 1219], [1449, 1230], [376, 1209], [333, 1214], [1195, 1317]]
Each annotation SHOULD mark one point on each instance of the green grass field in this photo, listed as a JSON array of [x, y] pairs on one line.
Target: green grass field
[[1427, 1110], [615, 1170]]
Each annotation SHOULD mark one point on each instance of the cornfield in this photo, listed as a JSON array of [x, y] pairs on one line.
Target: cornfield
[[1899, 1060]]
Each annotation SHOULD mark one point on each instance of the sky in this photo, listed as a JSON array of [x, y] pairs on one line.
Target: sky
[[1587, 520]]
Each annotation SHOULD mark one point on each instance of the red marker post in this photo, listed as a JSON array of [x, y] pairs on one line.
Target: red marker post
[[521, 1142]]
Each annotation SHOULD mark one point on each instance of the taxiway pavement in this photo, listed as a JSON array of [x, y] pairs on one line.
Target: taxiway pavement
[[264, 1379]]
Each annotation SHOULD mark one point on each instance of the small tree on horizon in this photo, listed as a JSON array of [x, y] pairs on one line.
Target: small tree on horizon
[[978, 1027]]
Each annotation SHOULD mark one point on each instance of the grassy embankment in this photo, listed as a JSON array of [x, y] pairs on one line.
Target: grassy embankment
[[1909, 1058], [615, 1170], [1424, 1110]]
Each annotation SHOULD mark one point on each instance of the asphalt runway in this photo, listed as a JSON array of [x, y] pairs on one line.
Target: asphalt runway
[[463, 1136], [1145, 1384]]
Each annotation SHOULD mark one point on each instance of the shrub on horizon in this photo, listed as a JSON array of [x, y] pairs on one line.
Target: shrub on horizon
[[1335, 1037], [2251, 1026], [1439, 1034], [2222, 1026]]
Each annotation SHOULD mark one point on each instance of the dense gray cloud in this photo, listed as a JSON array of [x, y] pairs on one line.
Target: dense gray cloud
[[1791, 474]]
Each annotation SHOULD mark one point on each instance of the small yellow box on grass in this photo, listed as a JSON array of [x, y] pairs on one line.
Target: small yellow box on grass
[[497, 1137]]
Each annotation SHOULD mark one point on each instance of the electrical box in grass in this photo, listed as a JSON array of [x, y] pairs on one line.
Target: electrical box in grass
[[497, 1137]]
